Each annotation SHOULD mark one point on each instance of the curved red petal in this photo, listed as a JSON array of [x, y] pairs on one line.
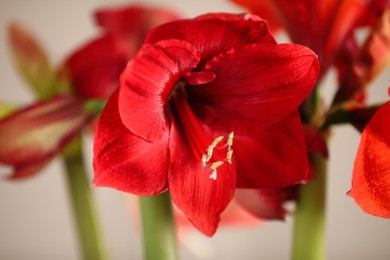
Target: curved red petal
[[371, 172], [263, 9], [308, 22], [147, 82], [125, 161], [273, 158], [94, 69], [373, 10], [373, 57], [23, 171], [136, 20], [256, 85], [201, 198], [215, 33], [234, 216], [33, 135], [315, 141], [262, 203], [348, 16]]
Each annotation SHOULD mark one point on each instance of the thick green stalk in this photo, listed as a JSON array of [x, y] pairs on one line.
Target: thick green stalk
[[159, 238], [309, 226], [82, 202]]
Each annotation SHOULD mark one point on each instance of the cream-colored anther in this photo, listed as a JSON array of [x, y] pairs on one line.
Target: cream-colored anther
[[213, 168], [230, 140], [213, 175], [209, 150], [215, 165], [229, 156], [204, 160], [216, 141]]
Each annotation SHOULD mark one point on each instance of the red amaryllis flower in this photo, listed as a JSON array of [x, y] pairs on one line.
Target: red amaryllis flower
[[323, 25], [371, 173], [207, 105], [94, 69]]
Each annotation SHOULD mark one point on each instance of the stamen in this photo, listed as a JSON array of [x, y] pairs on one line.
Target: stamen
[[204, 161], [210, 149], [230, 140], [214, 167], [229, 156], [213, 175], [216, 141]]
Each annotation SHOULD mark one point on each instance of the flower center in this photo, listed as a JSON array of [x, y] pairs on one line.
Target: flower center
[[193, 128], [206, 158]]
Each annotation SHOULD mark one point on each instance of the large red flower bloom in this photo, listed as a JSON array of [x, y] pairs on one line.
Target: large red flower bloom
[[207, 105], [371, 173]]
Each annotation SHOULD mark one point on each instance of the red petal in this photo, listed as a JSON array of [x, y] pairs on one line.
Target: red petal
[[124, 161], [345, 20], [234, 216], [346, 56], [371, 173], [94, 69], [32, 136], [373, 11], [315, 141], [373, 57], [136, 20], [263, 203], [201, 198], [199, 77], [263, 9], [130, 25], [257, 85], [273, 158], [321, 25], [143, 96], [214, 33], [306, 21], [26, 170]]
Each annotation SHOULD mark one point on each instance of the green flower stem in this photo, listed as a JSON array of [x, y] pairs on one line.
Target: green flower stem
[[82, 202], [309, 226], [159, 238]]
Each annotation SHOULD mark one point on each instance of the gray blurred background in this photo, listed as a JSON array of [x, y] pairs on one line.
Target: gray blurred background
[[35, 218]]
